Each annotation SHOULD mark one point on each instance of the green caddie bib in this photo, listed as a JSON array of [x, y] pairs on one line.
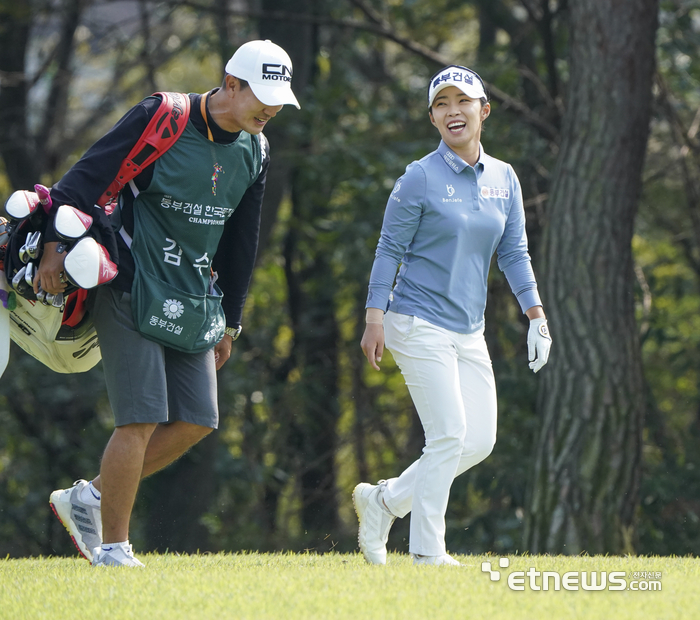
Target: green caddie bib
[[178, 222]]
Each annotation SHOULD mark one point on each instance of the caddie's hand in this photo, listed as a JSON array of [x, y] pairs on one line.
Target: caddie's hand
[[538, 343], [222, 350], [373, 343], [50, 275]]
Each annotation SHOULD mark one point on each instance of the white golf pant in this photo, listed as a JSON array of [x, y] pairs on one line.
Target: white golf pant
[[450, 378]]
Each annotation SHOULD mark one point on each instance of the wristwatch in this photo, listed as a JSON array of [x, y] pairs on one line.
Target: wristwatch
[[234, 332]]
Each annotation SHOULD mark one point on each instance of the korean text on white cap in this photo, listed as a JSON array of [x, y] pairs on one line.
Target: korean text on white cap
[[268, 70], [455, 75]]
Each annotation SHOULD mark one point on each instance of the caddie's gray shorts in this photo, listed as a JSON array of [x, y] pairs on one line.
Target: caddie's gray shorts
[[148, 382]]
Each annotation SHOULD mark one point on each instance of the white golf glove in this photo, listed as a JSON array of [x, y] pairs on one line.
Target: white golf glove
[[538, 344]]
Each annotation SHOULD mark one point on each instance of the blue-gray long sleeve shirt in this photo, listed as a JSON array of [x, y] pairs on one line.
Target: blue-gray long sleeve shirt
[[443, 222]]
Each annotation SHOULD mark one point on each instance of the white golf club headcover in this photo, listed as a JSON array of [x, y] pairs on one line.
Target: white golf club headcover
[[71, 223], [21, 204], [88, 264]]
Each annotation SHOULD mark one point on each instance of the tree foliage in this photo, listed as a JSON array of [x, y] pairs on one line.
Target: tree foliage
[[303, 419]]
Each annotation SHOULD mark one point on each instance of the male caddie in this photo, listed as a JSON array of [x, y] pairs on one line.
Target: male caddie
[[163, 326]]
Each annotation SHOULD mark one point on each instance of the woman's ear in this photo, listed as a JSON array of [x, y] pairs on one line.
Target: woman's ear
[[485, 111]]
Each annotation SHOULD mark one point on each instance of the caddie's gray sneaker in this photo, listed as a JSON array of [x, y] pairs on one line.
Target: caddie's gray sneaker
[[375, 522], [435, 560], [83, 522], [118, 554]]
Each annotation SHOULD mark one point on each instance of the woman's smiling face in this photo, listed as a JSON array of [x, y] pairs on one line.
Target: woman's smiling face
[[458, 118]]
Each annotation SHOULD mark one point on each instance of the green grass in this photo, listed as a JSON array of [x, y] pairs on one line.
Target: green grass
[[290, 586]]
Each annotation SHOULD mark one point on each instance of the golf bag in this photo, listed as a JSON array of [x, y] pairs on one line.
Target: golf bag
[[58, 330], [40, 330]]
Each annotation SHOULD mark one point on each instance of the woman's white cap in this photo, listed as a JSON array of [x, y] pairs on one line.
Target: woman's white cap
[[268, 70], [465, 79]]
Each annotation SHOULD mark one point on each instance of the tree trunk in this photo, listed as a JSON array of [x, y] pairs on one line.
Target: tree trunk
[[16, 144], [311, 288], [315, 411], [585, 482], [299, 41]]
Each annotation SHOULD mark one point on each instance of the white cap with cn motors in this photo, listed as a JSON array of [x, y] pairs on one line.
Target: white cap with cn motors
[[268, 70]]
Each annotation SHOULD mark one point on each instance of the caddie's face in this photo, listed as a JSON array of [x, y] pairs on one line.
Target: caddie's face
[[458, 118], [247, 112]]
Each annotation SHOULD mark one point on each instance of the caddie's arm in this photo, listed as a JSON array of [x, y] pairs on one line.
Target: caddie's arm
[[235, 259], [85, 182], [83, 185]]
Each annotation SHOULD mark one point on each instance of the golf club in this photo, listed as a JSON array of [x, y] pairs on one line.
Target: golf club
[[29, 273], [33, 245], [30, 250]]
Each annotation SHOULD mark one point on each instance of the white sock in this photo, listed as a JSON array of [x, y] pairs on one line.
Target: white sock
[[90, 495], [125, 546]]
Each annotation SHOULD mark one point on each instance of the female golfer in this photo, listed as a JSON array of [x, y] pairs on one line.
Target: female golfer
[[445, 218]]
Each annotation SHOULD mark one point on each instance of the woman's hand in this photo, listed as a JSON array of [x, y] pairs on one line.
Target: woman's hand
[[373, 343], [539, 340]]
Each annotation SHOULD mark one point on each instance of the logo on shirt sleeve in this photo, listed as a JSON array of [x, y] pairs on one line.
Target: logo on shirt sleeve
[[495, 192], [395, 191]]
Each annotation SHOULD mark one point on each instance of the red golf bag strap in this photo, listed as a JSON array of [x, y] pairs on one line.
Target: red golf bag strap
[[161, 133], [75, 308]]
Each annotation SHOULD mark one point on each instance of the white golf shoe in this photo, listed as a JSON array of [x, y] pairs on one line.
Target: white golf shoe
[[435, 560], [375, 521], [116, 554], [83, 521]]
